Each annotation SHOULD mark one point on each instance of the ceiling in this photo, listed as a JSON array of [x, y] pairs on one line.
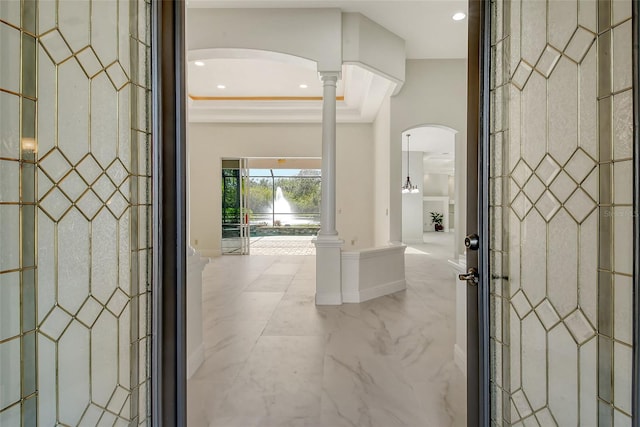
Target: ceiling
[[273, 95], [240, 80], [425, 25], [271, 91]]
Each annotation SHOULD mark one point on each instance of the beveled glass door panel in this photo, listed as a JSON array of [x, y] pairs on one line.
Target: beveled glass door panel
[[75, 212], [561, 213]]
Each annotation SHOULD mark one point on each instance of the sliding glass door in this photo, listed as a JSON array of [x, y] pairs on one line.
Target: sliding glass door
[[235, 215]]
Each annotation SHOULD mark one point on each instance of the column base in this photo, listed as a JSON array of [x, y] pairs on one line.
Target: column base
[[328, 299], [328, 270]]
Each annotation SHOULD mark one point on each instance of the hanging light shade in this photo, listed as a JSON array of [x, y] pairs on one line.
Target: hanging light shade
[[408, 187]]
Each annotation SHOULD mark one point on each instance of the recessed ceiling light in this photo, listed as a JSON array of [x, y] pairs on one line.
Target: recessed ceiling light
[[199, 63], [303, 86], [221, 87], [459, 16]]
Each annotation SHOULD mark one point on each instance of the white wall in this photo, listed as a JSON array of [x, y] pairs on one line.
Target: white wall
[[452, 186], [412, 228], [209, 142], [436, 184], [435, 92], [381, 129]]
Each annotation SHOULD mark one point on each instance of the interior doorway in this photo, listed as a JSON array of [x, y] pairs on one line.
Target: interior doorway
[[270, 206], [435, 158]]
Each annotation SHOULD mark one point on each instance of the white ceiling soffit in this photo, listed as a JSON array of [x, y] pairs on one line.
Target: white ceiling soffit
[[286, 163], [425, 25], [363, 93]]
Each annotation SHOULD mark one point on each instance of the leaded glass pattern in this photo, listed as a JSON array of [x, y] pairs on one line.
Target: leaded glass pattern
[[75, 212], [561, 215]]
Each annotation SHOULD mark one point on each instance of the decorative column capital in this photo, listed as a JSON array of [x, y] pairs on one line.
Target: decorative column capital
[[329, 76]]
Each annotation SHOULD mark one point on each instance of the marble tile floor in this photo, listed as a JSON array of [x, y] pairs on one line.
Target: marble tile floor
[[275, 359]]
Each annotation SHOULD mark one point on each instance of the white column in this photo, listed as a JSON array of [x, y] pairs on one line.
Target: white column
[[328, 244], [328, 207]]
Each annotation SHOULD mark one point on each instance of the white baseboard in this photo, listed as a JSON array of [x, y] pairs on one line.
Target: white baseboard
[[375, 292], [460, 358], [328, 299], [195, 360]]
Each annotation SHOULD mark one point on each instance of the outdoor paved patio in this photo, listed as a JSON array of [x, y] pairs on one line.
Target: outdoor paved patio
[[282, 245]]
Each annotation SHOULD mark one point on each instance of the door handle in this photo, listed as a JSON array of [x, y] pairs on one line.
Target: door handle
[[471, 276], [472, 242]]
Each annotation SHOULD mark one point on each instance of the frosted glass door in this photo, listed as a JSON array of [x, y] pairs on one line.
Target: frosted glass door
[[75, 212], [561, 213]]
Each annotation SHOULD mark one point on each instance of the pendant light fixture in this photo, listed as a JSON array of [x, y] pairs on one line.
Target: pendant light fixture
[[408, 187]]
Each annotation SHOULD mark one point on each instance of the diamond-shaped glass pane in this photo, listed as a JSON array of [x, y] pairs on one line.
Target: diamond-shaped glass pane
[[55, 165], [547, 205], [117, 302], [55, 323], [562, 186], [547, 314], [548, 61], [89, 204], [73, 186], [521, 75], [534, 188], [89, 311], [117, 204], [580, 205], [117, 75], [89, 62], [579, 326], [579, 44], [521, 205], [547, 170], [55, 46], [55, 204], [104, 188], [117, 172], [521, 173], [580, 165], [89, 169], [520, 304]]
